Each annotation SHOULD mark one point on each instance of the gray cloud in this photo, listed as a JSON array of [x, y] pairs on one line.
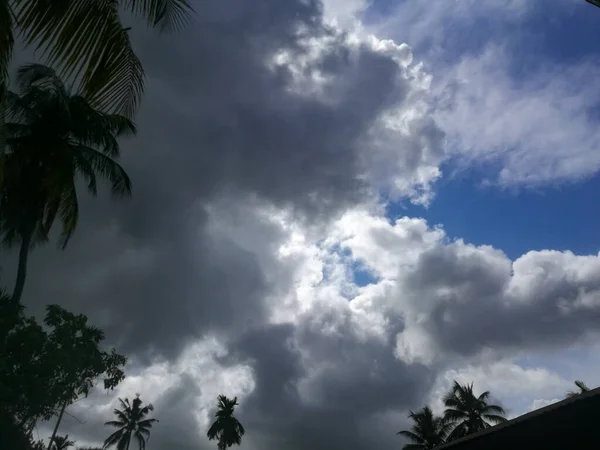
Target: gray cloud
[[324, 391], [216, 120]]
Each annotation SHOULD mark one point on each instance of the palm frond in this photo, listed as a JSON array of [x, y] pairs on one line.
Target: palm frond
[[167, 15], [141, 440], [147, 423], [115, 423], [493, 409], [213, 431], [114, 438], [7, 40], [108, 169], [84, 39], [122, 444], [412, 436], [114, 80], [495, 418]]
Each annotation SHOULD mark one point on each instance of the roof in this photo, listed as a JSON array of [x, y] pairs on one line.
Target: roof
[[553, 427]]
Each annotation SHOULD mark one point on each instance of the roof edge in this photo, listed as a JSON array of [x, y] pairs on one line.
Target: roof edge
[[523, 418]]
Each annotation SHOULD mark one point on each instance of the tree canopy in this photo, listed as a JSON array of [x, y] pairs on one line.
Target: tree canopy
[[46, 367]]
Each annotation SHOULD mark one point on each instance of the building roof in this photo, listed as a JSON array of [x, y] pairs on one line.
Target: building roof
[[570, 423]]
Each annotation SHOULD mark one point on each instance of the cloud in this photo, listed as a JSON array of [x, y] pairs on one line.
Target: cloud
[[446, 29], [535, 130], [326, 355], [232, 110]]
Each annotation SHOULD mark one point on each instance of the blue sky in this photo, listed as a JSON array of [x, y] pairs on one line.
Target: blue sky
[[516, 219]]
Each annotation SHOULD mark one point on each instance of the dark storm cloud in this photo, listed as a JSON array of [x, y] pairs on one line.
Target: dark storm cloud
[[322, 391], [215, 120]]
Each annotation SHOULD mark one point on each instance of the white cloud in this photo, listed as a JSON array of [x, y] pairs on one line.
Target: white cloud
[[508, 383], [538, 130], [427, 25], [452, 297], [403, 148]]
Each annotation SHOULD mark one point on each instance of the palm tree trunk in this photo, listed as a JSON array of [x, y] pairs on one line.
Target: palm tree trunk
[[22, 269], [62, 411]]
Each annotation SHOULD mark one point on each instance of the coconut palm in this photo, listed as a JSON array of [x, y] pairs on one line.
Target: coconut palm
[[62, 443], [86, 41], [582, 388], [427, 432], [226, 428], [131, 422], [52, 139], [469, 413]]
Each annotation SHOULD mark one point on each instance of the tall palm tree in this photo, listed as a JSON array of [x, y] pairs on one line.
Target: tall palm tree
[[86, 41], [469, 413], [226, 428], [427, 432], [582, 388], [131, 422], [62, 443], [53, 137]]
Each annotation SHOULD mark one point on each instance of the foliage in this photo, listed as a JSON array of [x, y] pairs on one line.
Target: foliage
[[52, 138], [469, 413], [226, 428], [86, 40], [62, 443], [427, 432], [43, 368], [582, 388], [131, 422]]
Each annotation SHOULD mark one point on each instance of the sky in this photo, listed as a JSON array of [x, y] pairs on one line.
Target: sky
[[340, 208]]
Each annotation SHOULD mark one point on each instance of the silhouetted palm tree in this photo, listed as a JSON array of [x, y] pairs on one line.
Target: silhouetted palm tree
[[52, 139], [226, 428], [62, 443], [582, 389], [131, 422], [468, 413], [87, 41], [427, 432]]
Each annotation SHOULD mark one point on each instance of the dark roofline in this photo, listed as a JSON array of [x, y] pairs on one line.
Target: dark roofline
[[522, 418]]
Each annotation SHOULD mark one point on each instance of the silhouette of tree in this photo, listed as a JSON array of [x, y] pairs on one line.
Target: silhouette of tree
[[469, 413], [62, 443], [226, 428], [43, 369], [52, 138], [131, 422], [427, 432], [85, 39], [582, 388]]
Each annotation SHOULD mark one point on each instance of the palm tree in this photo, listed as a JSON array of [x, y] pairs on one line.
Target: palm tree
[[86, 41], [469, 413], [582, 389], [53, 138], [226, 428], [62, 443], [131, 421], [427, 432]]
